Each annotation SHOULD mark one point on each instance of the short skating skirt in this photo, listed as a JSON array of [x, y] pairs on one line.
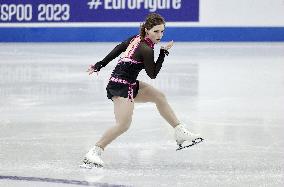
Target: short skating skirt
[[122, 90]]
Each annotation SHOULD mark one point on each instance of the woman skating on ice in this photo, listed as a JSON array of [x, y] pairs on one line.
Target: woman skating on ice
[[125, 90]]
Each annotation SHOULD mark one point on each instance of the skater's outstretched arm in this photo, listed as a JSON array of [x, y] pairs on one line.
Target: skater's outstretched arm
[[112, 55]]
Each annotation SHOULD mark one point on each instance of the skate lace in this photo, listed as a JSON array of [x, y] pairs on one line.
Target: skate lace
[[185, 131], [96, 152]]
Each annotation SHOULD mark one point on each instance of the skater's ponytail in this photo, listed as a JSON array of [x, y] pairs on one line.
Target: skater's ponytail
[[152, 20]]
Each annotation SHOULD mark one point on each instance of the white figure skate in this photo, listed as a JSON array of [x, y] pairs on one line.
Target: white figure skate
[[93, 158], [182, 135]]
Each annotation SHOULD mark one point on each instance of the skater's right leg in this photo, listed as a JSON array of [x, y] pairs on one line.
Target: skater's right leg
[[123, 110]]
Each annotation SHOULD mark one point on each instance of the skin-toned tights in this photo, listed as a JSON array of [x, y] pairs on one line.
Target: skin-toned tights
[[123, 110]]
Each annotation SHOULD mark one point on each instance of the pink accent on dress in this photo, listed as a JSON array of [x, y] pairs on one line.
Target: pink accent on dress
[[130, 86], [128, 58]]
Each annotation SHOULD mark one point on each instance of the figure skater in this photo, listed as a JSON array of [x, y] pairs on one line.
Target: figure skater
[[124, 89]]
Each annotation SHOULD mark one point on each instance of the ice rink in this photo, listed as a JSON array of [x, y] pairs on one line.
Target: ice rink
[[52, 112]]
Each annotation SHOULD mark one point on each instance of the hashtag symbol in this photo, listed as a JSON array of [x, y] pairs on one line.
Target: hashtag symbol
[[94, 4]]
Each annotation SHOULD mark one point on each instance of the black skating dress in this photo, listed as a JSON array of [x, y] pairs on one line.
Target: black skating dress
[[138, 54]]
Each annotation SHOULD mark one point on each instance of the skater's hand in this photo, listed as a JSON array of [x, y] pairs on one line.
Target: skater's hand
[[96, 68], [91, 69], [168, 45]]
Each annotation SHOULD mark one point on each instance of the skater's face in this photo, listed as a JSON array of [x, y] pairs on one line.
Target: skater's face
[[155, 33]]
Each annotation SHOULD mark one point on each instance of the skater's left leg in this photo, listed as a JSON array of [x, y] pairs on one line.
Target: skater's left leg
[[148, 93]]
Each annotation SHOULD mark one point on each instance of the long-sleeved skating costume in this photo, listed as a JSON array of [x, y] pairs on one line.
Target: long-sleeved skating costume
[[138, 54]]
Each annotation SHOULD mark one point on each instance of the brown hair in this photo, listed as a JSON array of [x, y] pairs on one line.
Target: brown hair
[[152, 20]]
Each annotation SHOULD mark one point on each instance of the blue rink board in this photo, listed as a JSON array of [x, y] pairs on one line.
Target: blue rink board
[[115, 34]]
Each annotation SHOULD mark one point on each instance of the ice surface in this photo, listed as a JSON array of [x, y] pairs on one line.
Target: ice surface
[[52, 112]]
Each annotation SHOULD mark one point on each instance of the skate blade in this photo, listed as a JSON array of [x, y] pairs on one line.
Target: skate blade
[[86, 166], [90, 165], [194, 142]]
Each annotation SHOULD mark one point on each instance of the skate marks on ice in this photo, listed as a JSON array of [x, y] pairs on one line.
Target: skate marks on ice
[[58, 181], [194, 142]]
